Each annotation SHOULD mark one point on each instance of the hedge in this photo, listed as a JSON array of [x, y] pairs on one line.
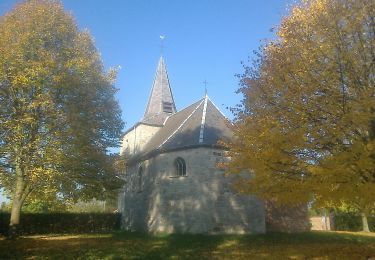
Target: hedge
[[49, 223], [351, 222]]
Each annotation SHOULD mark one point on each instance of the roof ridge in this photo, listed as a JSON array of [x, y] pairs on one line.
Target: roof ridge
[[201, 132], [178, 112], [183, 122]]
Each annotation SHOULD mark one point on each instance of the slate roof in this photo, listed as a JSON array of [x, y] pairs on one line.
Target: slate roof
[[200, 124], [161, 95]]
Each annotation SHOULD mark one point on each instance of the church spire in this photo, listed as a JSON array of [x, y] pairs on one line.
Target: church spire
[[160, 103]]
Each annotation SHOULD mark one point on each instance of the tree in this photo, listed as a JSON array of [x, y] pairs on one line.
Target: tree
[[306, 128], [58, 115], [44, 206]]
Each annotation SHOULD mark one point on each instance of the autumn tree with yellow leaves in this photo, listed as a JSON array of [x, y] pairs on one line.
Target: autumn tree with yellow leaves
[[306, 128], [58, 115]]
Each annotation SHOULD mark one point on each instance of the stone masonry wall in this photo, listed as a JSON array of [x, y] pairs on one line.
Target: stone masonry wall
[[200, 202], [135, 140], [287, 219]]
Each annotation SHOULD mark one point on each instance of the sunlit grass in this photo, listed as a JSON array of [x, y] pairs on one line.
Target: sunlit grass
[[123, 245]]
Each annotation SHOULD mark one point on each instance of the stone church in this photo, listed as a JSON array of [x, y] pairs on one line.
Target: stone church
[[173, 183]]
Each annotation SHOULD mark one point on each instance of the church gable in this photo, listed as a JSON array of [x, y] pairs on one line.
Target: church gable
[[136, 138]]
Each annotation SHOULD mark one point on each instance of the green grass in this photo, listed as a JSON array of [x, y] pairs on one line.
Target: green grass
[[122, 245]]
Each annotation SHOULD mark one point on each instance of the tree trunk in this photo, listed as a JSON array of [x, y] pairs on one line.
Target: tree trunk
[[331, 219], [21, 191], [365, 227], [15, 218]]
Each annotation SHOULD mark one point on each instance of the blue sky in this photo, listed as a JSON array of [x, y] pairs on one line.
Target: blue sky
[[204, 40]]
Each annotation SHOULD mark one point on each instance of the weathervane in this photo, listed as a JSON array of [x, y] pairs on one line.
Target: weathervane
[[161, 44]]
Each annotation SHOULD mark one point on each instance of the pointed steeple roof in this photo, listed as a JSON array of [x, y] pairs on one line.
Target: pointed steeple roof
[[160, 103]]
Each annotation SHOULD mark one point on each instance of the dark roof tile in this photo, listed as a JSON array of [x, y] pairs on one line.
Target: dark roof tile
[[182, 130]]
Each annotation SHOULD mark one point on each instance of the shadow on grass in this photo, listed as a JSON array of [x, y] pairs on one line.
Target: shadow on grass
[[125, 245], [309, 237], [167, 246]]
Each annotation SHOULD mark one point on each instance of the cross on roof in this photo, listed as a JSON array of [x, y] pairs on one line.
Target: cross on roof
[[205, 86]]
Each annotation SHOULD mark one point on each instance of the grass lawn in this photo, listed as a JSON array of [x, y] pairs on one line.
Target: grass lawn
[[122, 245]]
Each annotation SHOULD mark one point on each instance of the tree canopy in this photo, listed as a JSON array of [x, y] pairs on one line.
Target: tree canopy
[[306, 128], [58, 113]]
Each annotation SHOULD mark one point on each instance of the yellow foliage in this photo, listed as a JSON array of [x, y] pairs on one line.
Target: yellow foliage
[[307, 128], [58, 115]]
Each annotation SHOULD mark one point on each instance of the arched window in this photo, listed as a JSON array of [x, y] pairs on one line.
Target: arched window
[[140, 178], [180, 166]]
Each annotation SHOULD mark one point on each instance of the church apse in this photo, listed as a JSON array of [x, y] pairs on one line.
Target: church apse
[[202, 201], [197, 197]]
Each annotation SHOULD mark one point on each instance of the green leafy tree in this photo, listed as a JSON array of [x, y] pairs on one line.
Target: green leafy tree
[[44, 206], [306, 127], [58, 115]]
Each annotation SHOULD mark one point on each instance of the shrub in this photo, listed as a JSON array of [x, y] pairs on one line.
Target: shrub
[[352, 222], [46, 223]]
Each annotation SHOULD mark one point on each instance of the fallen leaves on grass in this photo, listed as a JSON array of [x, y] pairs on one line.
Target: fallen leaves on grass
[[313, 245]]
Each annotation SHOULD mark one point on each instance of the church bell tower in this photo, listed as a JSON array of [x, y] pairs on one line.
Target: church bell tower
[[160, 103]]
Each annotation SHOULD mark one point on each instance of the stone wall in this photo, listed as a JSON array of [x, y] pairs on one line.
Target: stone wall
[[287, 219], [134, 141], [200, 202]]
